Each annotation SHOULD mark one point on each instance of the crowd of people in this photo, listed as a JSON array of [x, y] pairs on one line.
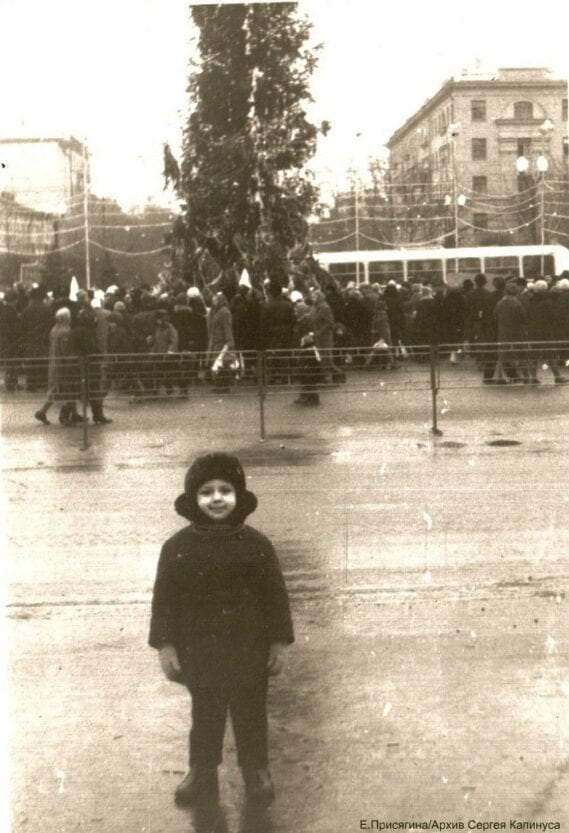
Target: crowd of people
[[310, 332]]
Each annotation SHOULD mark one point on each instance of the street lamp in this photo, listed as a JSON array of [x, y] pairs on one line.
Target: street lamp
[[542, 165], [458, 202], [357, 210]]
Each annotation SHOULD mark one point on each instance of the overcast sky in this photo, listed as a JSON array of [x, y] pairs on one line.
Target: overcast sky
[[114, 71]]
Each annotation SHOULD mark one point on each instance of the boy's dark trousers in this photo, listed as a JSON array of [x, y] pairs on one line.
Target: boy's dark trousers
[[248, 709]]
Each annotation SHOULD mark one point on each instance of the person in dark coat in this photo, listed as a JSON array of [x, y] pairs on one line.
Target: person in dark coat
[[84, 343], [395, 313], [10, 338], [561, 316], [542, 335], [182, 319], [337, 304], [323, 327], [277, 334], [358, 324], [489, 335], [221, 622], [143, 324], [369, 298], [476, 304], [308, 360], [512, 332], [426, 323], [452, 312], [163, 343], [197, 342], [245, 314], [119, 344], [36, 323], [381, 337], [277, 321]]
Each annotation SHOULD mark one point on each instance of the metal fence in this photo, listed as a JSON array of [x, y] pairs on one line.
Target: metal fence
[[82, 383]]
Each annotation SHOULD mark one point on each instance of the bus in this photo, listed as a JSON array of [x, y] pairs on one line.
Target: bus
[[444, 266]]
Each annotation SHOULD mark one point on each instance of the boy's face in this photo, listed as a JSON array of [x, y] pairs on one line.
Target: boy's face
[[217, 499]]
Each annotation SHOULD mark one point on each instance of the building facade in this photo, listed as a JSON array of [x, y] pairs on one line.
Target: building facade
[[26, 236], [44, 174], [454, 161]]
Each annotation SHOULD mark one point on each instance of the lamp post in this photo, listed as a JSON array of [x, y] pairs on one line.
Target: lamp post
[[357, 212], [86, 179], [456, 202], [542, 165]]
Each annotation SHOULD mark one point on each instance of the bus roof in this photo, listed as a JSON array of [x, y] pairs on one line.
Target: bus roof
[[476, 252]]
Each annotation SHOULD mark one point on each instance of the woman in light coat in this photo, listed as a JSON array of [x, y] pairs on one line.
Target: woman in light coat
[[60, 382]]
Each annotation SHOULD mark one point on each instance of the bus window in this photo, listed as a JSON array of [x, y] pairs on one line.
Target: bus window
[[426, 271], [386, 271], [345, 272], [502, 266], [459, 269], [532, 266]]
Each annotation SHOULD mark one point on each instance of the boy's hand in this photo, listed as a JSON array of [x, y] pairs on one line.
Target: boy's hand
[[277, 651], [170, 663]]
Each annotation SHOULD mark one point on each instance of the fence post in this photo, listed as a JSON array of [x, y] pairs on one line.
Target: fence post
[[261, 388], [434, 360], [84, 400]]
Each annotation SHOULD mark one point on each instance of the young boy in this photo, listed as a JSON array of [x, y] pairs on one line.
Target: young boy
[[221, 622]]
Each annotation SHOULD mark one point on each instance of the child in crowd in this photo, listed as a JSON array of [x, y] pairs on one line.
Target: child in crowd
[[221, 623]]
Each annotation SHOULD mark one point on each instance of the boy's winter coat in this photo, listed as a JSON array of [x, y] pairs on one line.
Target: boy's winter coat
[[220, 599]]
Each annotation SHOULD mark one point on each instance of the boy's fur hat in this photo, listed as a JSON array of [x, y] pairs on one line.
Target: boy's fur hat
[[215, 466]]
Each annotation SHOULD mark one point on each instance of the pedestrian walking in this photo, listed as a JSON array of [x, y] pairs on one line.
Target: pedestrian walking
[[83, 343], [61, 383], [221, 624]]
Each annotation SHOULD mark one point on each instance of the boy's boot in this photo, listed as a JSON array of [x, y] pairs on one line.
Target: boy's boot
[[198, 783], [258, 785]]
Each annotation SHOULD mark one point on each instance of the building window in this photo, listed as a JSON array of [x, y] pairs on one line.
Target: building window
[[480, 184], [478, 110], [524, 147], [523, 110], [478, 150], [564, 110], [566, 148], [480, 221]]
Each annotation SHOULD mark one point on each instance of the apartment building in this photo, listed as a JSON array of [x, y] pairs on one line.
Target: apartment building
[[463, 143]]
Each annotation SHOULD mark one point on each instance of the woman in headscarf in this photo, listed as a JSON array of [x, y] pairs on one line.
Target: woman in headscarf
[[60, 379]]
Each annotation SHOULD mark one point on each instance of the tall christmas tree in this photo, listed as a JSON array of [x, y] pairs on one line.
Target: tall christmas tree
[[242, 176]]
